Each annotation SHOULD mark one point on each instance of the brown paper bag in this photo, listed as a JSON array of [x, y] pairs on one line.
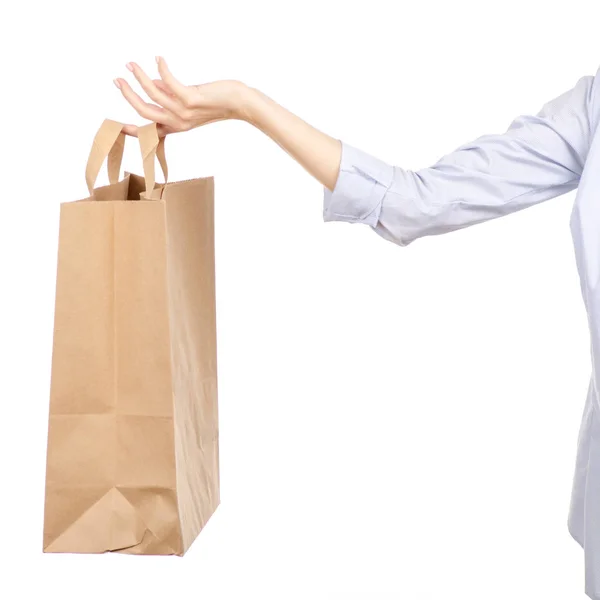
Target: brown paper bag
[[133, 458]]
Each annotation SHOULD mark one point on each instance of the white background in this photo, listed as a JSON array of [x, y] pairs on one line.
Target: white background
[[395, 422]]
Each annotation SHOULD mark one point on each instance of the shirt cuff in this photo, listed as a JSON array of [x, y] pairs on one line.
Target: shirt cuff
[[360, 188]]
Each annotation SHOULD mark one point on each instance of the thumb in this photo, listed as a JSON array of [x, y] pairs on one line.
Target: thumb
[[130, 130]]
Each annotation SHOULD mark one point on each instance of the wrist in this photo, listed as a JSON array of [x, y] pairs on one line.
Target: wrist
[[249, 105]]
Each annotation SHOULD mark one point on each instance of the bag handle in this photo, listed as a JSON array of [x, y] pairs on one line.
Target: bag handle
[[152, 146], [109, 142]]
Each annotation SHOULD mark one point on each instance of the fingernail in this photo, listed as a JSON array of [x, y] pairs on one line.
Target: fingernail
[[129, 66], [117, 83], [157, 59]]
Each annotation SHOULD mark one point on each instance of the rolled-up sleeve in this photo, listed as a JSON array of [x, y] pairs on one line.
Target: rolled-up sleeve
[[537, 158], [362, 183]]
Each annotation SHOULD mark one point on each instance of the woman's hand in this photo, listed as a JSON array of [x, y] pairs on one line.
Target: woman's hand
[[181, 107]]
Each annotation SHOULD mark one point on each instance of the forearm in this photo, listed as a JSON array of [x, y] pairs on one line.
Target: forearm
[[316, 151]]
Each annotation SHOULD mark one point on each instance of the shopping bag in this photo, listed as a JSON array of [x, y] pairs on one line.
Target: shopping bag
[[132, 456]]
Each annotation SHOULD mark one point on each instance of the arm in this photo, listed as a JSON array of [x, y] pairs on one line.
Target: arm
[[316, 151], [537, 158], [181, 107]]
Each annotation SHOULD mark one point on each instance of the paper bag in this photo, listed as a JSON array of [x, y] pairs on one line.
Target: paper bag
[[133, 457]]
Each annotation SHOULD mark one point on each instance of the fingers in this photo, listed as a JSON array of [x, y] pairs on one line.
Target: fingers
[[179, 90], [162, 130], [159, 83], [169, 94], [154, 93], [152, 112]]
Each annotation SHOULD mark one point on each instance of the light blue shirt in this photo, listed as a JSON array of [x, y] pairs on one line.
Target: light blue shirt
[[539, 157]]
